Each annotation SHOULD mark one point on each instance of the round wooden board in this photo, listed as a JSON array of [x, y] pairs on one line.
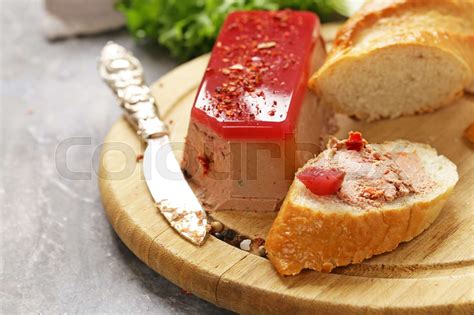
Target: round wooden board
[[432, 273]]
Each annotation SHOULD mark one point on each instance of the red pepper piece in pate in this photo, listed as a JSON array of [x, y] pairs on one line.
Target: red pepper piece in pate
[[321, 182], [355, 141]]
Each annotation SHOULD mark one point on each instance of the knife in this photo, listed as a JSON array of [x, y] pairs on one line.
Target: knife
[[123, 73]]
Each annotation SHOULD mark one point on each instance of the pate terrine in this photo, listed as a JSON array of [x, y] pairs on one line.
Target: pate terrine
[[254, 122]]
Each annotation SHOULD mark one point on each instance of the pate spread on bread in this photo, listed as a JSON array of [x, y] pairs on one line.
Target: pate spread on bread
[[400, 57], [356, 200]]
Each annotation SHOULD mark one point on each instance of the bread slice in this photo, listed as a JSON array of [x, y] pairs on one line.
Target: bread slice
[[400, 57], [323, 232]]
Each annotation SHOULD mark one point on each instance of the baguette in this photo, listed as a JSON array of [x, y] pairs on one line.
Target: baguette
[[400, 57], [321, 232]]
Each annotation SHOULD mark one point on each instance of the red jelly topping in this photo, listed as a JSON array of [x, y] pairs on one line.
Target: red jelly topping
[[256, 78], [355, 141], [321, 181]]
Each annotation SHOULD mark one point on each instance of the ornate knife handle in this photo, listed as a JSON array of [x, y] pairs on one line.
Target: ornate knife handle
[[123, 73]]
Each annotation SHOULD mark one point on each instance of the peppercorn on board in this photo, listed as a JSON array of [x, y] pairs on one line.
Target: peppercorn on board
[[433, 273]]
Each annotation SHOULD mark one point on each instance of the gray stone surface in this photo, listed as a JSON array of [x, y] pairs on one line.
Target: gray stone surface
[[57, 252]]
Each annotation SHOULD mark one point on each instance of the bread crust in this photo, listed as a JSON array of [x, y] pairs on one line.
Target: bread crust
[[375, 10], [383, 25], [324, 240]]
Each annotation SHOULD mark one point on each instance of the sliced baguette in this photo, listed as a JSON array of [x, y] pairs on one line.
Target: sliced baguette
[[400, 57], [322, 233]]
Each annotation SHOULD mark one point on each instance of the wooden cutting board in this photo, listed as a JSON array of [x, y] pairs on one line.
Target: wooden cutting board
[[433, 273]]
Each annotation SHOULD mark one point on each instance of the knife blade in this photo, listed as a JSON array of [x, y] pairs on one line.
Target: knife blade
[[123, 73]]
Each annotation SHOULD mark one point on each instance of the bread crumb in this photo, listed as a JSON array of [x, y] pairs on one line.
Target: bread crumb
[[469, 133], [326, 267]]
